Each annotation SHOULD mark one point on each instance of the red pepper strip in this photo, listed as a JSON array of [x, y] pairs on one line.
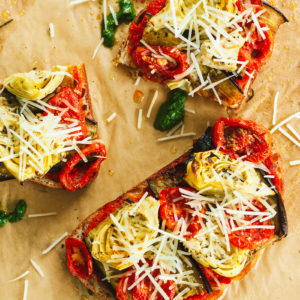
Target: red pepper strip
[[69, 174], [80, 261], [242, 137], [68, 99], [164, 69], [103, 213]]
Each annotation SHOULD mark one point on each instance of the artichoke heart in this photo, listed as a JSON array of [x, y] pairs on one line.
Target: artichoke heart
[[210, 250], [35, 85], [118, 240], [221, 175]]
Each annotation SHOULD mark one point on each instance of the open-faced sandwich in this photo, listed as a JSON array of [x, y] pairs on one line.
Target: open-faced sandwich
[[210, 47], [48, 133], [193, 227]]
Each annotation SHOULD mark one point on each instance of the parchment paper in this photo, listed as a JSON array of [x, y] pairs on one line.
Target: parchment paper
[[132, 154]]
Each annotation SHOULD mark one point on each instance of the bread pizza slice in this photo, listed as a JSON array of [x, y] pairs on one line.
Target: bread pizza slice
[[212, 48], [48, 133], [190, 229]]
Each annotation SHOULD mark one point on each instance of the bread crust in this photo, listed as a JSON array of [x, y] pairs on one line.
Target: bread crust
[[100, 288]]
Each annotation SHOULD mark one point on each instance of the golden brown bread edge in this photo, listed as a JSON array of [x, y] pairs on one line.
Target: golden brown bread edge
[[100, 288], [87, 107], [228, 91]]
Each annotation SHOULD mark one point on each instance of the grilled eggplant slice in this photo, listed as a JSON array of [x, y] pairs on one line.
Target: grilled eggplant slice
[[273, 16]]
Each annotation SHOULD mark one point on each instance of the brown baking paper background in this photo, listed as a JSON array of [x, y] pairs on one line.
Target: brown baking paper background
[[132, 154]]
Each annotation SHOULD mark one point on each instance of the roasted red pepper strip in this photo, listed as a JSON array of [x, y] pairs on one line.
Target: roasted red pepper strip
[[173, 207], [70, 176], [255, 237], [160, 69], [242, 137], [67, 99], [256, 51], [80, 261], [145, 289], [102, 214]]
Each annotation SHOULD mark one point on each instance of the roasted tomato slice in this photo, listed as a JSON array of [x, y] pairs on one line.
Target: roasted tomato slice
[[80, 261], [174, 206], [252, 238], [242, 137], [70, 108], [145, 289], [73, 177], [164, 64], [256, 50]]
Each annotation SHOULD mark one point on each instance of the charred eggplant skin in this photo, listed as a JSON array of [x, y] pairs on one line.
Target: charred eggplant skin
[[277, 10], [282, 230], [205, 142]]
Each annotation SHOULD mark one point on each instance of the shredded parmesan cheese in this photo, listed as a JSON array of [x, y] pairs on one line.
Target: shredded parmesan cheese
[[25, 290], [292, 139], [51, 30], [55, 243], [152, 104], [285, 121], [295, 162], [111, 117], [97, 48], [139, 124], [173, 137], [42, 215], [275, 108], [37, 267], [19, 277], [293, 130]]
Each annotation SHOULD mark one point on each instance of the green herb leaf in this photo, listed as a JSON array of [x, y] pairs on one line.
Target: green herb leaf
[[3, 218], [172, 111], [18, 213]]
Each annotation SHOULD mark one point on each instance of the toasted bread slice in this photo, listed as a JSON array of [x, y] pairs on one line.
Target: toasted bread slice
[[228, 92], [168, 176], [86, 106], [78, 72]]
